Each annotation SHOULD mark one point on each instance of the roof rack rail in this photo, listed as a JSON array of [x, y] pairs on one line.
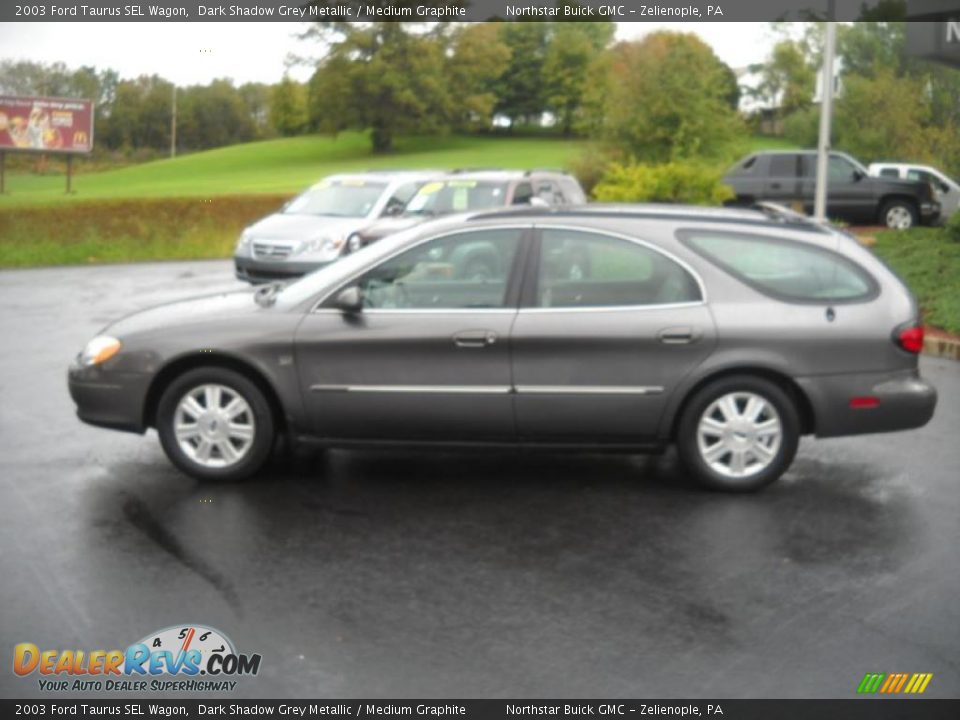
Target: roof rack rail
[[770, 213]]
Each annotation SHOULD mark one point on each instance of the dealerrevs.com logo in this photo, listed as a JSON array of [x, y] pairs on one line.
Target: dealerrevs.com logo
[[177, 658]]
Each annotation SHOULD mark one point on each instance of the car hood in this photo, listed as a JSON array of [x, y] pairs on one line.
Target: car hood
[[184, 312], [284, 227]]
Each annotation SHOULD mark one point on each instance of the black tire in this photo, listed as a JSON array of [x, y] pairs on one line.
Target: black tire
[[687, 441], [903, 209], [264, 431], [353, 243]]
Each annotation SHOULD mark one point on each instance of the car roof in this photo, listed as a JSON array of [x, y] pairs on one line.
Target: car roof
[[797, 152], [497, 174], [899, 164], [759, 214]]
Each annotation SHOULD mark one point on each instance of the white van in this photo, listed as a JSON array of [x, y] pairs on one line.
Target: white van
[[946, 188]]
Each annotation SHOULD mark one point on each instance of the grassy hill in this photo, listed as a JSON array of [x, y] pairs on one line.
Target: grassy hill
[[195, 206], [285, 166]]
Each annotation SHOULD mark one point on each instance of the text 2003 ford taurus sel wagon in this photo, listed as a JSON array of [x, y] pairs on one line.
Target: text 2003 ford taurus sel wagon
[[728, 332]]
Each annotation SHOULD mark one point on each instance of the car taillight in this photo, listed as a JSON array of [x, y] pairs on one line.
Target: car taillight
[[910, 338]]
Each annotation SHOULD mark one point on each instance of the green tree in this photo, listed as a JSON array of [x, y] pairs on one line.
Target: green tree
[[572, 48], [256, 100], [661, 98], [787, 78], [211, 116], [521, 94], [477, 57], [288, 107], [385, 76]]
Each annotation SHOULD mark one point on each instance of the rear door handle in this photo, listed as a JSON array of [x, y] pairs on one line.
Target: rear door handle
[[678, 335], [474, 338]]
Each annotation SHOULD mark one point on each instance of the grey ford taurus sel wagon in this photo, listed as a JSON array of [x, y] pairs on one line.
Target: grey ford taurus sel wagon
[[729, 332]]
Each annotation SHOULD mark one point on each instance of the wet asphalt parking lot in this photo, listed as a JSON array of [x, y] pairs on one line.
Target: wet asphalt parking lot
[[402, 574]]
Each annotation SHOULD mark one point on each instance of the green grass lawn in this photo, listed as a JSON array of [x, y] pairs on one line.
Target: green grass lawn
[[285, 166], [929, 262]]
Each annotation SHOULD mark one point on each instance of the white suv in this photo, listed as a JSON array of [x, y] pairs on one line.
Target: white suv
[[946, 188], [311, 230]]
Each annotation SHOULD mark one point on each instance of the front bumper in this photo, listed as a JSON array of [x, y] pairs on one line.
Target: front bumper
[[114, 400], [259, 271], [903, 401]]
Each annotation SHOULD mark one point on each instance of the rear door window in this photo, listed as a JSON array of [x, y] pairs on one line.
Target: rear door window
[[784, 269], [580, 269], [783, 166]]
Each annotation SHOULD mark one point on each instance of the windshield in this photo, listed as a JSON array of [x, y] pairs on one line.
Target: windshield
[[457, 196], [339, 198], [327, 276]]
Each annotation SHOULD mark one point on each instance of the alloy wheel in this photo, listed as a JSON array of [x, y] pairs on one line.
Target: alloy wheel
[[214, 425], [899, 218], [739, 434]]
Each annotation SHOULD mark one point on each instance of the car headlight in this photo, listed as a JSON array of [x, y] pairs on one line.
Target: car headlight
[[98, 350], [321, 245], [243, 244]]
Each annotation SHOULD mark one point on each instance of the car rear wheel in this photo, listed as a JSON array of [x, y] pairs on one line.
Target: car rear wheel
[[898, 215], [215, 424], [738, 434]]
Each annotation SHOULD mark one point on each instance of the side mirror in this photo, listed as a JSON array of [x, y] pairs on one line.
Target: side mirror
[[538, 202], [350, 300], [393, 210], [944, 188], [857, 176]]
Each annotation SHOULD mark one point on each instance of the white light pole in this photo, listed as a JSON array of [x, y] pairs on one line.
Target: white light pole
[[826, 118]]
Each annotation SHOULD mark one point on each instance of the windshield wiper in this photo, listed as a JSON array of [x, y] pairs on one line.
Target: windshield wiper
[[266, 295]]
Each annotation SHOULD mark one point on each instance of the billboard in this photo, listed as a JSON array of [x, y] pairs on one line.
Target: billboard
[[46, 124]]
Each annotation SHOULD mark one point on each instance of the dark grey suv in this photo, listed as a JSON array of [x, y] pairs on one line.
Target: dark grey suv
[[728, 332]]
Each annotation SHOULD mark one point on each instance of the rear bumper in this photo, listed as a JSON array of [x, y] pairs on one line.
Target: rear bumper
[[258, 271], [109, 400], [903, 401]]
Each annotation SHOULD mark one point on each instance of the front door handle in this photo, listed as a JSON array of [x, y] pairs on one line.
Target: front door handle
[[474, 338], [678, 335]]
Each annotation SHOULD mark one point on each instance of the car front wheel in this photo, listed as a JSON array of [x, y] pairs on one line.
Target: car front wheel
[[899, 215], [215, 424], [738, 434]]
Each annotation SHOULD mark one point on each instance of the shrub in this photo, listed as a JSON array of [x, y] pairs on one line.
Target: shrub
[[591, 164], [670, 182]]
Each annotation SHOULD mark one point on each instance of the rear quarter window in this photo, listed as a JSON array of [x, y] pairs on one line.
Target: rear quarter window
[[784, 269]]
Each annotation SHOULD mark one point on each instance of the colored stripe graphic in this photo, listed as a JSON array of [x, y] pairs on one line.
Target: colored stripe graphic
[[870, 683], [894, 683]]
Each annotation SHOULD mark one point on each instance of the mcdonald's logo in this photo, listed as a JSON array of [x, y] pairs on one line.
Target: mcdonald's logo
[[80, 139], [895, 683]]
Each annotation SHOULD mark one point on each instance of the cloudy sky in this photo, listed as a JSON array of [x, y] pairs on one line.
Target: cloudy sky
[[191, 53]]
